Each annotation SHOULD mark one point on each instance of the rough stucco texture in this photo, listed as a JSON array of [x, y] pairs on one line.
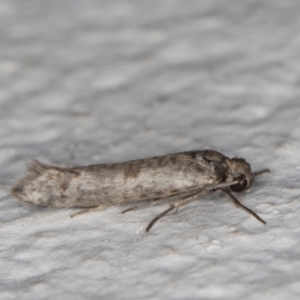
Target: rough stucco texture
[[86, 82]]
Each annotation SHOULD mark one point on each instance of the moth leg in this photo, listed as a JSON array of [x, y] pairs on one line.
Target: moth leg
[[239, 204], [85, 211], [171, 207], [149, 203], [141, 206], [159, 200], [153, 202]]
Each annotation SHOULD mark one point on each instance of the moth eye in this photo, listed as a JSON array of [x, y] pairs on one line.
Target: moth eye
[[239, 187]]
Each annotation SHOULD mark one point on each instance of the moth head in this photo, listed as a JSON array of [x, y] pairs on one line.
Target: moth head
[[239, 171]]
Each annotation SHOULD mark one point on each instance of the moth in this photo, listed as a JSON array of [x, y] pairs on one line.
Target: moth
[[176, 179]]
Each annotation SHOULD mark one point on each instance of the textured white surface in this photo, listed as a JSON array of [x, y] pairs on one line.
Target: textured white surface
[[118, 80]]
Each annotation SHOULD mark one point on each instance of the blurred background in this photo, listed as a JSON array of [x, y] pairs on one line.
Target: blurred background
[[86, 82]]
